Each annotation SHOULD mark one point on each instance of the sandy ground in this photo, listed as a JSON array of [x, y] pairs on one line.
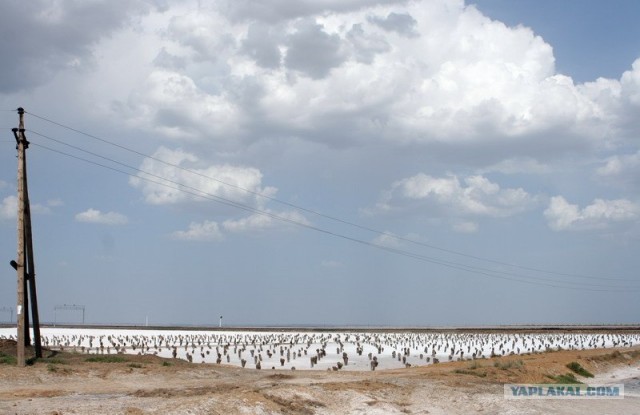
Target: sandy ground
[[62, 383]]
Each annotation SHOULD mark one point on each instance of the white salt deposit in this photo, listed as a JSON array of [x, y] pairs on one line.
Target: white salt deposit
[[306, 350]]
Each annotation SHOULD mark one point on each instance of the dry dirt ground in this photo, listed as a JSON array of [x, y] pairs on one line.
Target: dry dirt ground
[[66, 383]]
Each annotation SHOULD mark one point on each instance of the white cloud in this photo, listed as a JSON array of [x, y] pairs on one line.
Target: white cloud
[[9, 207], [253, 222], [312, 51], [517, 165], [474, 196], [234, 78], [207, 181], [212, 231], [561, 215], [70, 29], [95, 216], [402, 23], [474, 79], [257, 222], [622, 169], [630, 83], [170, 103], [205, 231], [387, 240], [278, 10]]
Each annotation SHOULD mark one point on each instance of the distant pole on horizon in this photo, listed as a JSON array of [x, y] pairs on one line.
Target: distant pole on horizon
[[220, 324], [67, 307]]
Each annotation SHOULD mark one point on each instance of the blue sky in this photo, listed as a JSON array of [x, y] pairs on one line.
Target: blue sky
[[379, 162]]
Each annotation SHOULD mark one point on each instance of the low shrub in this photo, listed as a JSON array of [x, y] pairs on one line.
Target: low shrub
[[106, 359], [569, 378], [7, 360], [577, 368], [516, 364]]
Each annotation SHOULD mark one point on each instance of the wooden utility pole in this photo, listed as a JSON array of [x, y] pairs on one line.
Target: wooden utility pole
[[25, 264], [31, 267], [20, 260]]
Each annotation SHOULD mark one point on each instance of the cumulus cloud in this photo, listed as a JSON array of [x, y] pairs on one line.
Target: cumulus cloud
[[387, 240], [600, 214], [9, 207], [170, 103], [177, 180], [167, 60], [366, 45], [205, 34], [312, 51], [330, 72], [630, 84], [401, 23], [60, 36], [213, 231], [96, 216], [261, 44], [517, 165], [205, 231], [233, 183], [278, 10], [473, 196], [623, 169], [258, 222]]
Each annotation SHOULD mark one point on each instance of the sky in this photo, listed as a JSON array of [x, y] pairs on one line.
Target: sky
[[323, 162]]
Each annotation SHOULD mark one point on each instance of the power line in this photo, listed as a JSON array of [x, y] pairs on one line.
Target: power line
[[225, 201], [326, 216], [200, 193]]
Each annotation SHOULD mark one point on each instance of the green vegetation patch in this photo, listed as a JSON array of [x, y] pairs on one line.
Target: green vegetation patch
[[106, 359], [512, 364], [566, 379], [577, 368], [7, 360], [55, 360]]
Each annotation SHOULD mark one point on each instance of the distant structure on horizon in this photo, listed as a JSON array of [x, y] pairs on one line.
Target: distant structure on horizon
[[220, 323]]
